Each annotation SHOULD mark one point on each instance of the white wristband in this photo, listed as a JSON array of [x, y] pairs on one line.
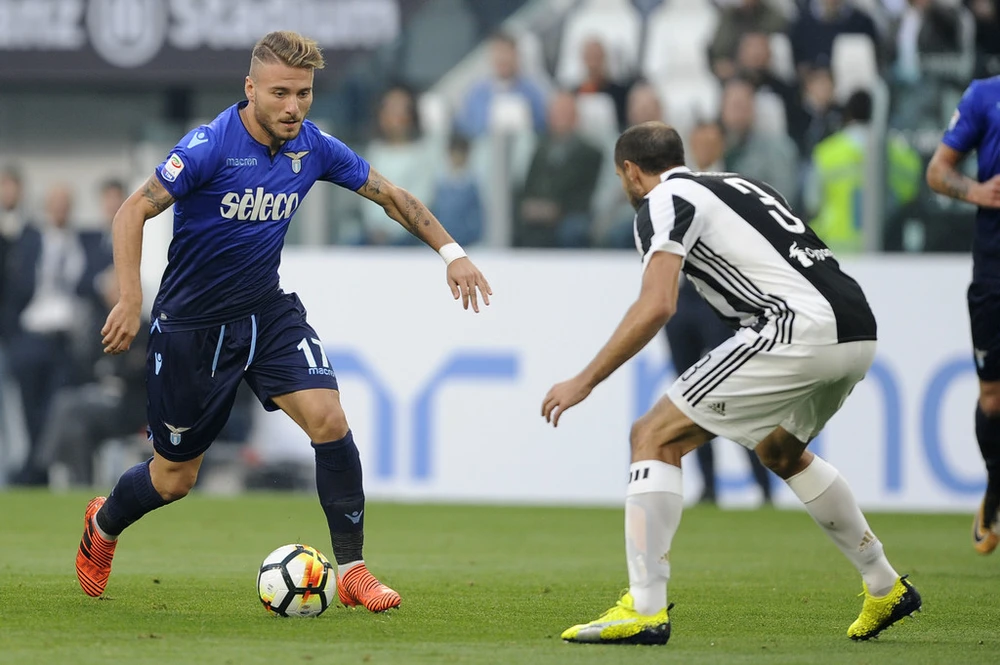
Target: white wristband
[[450, 252]]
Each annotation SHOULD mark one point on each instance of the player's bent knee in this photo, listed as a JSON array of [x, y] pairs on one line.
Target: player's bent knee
[[641, 436], [176, 480], [174, 487], [328, 425], [782, 454]]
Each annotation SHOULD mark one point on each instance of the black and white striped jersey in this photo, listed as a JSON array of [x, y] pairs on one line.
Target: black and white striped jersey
[[752, 259]]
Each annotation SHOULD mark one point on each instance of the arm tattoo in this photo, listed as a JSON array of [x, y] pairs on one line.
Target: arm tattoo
[[374, 184], [955, 185], [412, 214], [157, 197]]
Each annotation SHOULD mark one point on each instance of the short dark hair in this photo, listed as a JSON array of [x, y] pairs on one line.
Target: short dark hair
[[654, 147], [459, 143], [858, 107], [504, 37], [113, 183]]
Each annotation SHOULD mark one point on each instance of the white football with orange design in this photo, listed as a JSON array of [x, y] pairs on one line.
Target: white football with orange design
[[296, 581]]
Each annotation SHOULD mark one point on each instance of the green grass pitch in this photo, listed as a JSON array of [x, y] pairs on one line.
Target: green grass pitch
[[479, 585]]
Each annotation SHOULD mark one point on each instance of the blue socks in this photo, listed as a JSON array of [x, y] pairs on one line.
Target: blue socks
[[132, 497], [338, 482]]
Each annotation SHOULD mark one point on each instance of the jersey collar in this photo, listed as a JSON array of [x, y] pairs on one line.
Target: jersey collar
[[676, 169]]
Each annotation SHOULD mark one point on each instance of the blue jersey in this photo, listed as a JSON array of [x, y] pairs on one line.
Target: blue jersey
[[234, 202], [976, 126]]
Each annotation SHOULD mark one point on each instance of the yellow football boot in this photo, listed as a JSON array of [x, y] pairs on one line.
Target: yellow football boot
[[622, 625], [877, 614]]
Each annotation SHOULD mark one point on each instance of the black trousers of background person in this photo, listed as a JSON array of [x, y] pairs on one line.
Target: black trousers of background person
[[42, 364], [693, 331]]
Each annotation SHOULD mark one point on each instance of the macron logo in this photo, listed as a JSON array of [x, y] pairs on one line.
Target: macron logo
[[159, 363], [355, 517], [197, 140]]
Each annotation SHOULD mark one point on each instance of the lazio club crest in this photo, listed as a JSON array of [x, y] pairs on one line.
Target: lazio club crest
[[175, 433], [296, 158]]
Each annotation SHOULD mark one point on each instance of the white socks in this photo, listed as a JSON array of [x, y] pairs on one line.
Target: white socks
[[344, 567], [829, 500], [653, 505]]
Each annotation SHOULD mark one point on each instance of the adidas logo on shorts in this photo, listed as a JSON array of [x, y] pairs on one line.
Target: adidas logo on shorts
[[718, 407]]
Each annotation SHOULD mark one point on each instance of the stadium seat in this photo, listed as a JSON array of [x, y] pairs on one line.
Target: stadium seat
[[770, 114], [782, 62], [853, 64], [598, 119], [677, 40], [690, 100], [616, 23], [435, 115]]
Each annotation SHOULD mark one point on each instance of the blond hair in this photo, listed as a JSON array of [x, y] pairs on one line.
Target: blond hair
[[289, 48]]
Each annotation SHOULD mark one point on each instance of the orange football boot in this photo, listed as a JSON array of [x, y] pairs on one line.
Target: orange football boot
[[359, 587], [93, 558]]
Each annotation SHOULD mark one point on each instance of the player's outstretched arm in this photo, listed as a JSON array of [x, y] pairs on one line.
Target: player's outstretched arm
[[944, 177], [126, 234], [463, 276], [657, 302]]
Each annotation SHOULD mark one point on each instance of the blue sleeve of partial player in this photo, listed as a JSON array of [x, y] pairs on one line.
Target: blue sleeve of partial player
[[190, 164], [965, 130], [344, 167]]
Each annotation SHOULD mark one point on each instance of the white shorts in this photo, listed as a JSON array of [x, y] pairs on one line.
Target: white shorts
[[748, 386]]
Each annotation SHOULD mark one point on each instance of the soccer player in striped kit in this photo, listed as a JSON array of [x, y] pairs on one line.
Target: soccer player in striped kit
[[806, 337]]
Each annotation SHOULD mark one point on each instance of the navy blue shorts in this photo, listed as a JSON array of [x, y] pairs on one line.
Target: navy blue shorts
[[192, 376], [984, 315]]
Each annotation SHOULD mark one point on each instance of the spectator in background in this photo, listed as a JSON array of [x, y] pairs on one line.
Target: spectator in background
[[748, 16], [49, 264], [473, 119], [926, 27], [554, 208], [706, 147], [819, 23], [987, 16], [13, 221], [457, 203], [753, 62], [405, 157], [771, 158], [817, 115], [83, 417], [598, 79], [643, 104], [647, 7], [98, 270], [837, 183]]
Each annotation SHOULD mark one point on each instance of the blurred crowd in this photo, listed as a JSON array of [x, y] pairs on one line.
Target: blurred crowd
[[784, 90]]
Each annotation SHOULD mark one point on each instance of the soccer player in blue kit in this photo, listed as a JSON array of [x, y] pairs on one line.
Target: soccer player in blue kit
[[220, 316], [976, 126]]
